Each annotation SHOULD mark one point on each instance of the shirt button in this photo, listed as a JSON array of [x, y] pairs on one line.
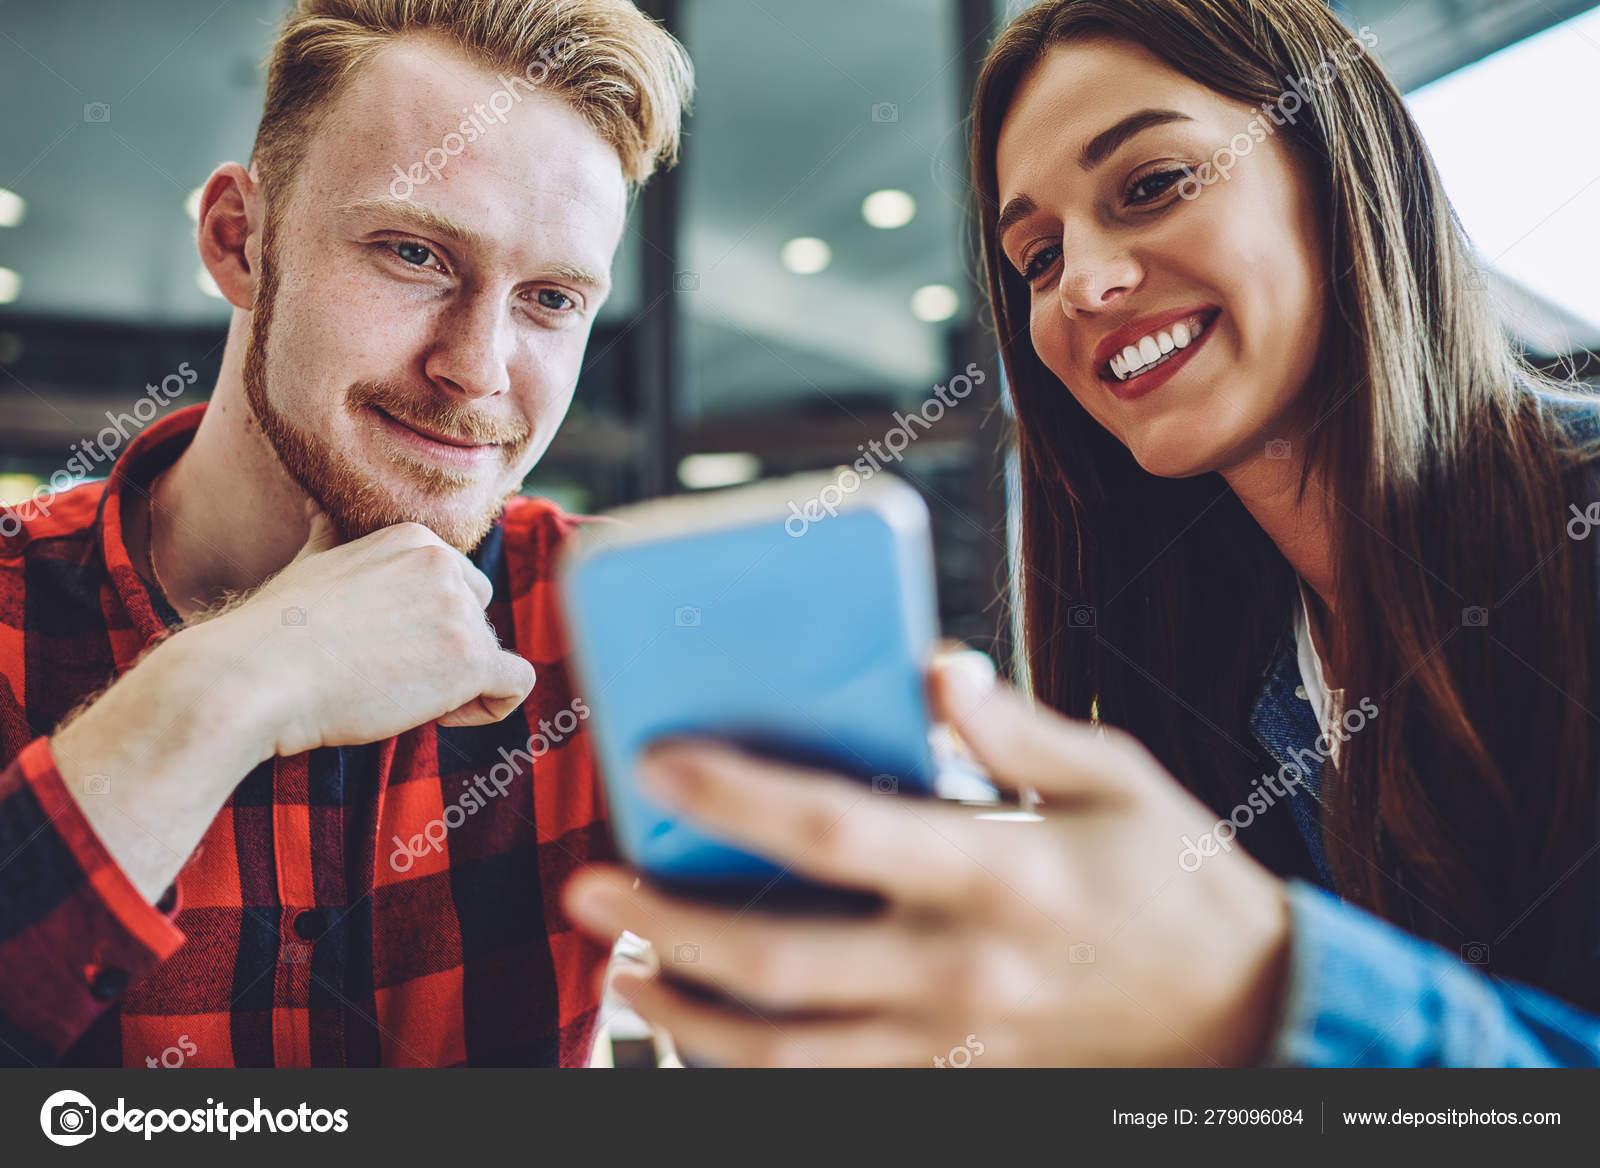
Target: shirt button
[[1300, 692], [108, 983], [308, 925]]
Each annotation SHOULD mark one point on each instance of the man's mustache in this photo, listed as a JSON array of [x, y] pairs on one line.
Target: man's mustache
[[439, 415]]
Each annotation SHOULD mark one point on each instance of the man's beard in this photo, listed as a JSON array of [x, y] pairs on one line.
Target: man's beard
[[356, 504]]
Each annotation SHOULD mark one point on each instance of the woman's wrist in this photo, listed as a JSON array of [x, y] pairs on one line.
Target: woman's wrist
[[1256, 1011]]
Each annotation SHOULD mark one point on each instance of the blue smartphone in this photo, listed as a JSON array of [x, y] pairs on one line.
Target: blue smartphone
[[788, 618]]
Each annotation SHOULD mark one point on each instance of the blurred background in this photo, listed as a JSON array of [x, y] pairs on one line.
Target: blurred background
[[804, 274]]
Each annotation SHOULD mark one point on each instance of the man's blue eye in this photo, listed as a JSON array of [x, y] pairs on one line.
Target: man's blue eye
[[553, 300], [413, 253]]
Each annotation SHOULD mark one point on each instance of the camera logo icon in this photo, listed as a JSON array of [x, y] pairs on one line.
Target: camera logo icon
[[67, 1118], [885, 111], [1278, 448], [97, 111], [1475, 953], [685, 953], [1081, 616], [96, 784], [885, 785], [686, 616], [294, 617], [686, 281], [1475, 617], [1081, 954]]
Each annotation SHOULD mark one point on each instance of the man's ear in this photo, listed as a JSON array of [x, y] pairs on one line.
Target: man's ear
[[231, 220]]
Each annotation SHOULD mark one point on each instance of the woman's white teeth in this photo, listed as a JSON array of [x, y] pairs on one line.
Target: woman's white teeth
[[1153, 348]]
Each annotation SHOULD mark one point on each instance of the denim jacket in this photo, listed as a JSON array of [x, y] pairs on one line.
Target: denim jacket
[[1362, 992]]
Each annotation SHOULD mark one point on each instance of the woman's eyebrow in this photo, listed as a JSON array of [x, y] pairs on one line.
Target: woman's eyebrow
[[1016, 210], [1100, 147]]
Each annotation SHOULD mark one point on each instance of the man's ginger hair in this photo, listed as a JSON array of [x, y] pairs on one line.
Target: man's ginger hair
[[615, 66]]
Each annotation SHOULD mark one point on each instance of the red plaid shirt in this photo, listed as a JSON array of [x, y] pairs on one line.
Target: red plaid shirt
[[301, 932]]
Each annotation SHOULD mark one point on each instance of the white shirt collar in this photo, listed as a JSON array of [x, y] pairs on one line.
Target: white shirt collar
[[1325, 703]]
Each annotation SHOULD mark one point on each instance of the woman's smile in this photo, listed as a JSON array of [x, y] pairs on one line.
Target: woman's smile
[[1146, 353]]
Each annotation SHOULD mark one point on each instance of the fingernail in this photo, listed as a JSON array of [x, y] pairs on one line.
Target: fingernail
[[969, 676]]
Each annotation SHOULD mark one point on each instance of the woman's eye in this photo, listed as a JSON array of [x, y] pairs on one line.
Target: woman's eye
[[412, 252], [1153, 186], [1039, 262], [553, 300]]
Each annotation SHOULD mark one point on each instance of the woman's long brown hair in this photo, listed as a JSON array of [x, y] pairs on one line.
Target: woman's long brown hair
[[1463, 608]]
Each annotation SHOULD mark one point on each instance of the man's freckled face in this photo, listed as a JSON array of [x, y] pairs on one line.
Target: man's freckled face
[[383, 323], [1118, 243]]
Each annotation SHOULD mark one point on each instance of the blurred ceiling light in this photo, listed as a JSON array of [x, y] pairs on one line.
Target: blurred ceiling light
[[888, 209], [191, 203], [204, 282], [11, 208], [934, 303], [701, 472], [10, 285], [806, 256]]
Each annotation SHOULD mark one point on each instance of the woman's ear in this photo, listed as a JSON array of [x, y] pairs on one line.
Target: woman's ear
[[231, 215]]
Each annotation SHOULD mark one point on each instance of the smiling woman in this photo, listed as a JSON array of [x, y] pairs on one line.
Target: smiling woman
[[1353, 417], [1118, 266]]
